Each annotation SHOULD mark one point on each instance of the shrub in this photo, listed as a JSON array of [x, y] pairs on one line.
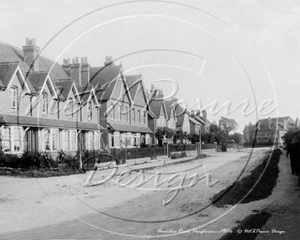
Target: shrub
[[178, 155]]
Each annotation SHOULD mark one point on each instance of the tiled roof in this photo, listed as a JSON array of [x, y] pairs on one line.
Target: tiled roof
[[64, 87], [37, 79], [10, 53], [156, 106], [249, 128], [104, 80], [200, 120], [169, 105], [193, 120], [129, 128], [133, 83], [7, 70], [8, 119], [180, 115], [84, 93]]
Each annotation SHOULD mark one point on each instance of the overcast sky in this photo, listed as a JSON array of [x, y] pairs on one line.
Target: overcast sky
[[215, 51]]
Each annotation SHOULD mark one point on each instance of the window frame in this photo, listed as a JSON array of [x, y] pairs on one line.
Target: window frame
[[14, 98], [90, 110], [45, 103]]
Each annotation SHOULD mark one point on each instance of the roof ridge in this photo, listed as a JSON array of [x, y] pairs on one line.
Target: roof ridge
[[12, 46], [11, 62]]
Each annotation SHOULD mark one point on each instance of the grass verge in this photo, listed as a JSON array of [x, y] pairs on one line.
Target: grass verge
[[28, 173], [234, 193]]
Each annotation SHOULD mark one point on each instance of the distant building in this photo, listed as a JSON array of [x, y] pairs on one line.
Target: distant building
[[268, 131]]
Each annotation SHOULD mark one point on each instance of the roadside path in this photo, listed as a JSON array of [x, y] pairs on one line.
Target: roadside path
[[284, 206]]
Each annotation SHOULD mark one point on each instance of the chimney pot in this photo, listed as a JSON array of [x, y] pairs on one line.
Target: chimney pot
[[31, 54], [82, 59], [77, 59], [73, 60], [86, 60]]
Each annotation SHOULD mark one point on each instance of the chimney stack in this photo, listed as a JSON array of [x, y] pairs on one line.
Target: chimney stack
[[31, 54], [204, 114], [284, 124], [75, 70], [269, 123], [192, 114], [108, 60], [85, 71]]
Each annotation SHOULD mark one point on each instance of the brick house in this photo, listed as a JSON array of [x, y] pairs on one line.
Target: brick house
[[41, 109], [159, 115], [123, 110], [171, 113], [266, 130]]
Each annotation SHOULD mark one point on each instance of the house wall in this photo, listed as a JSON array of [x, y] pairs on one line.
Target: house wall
[[186, 124], [5, 103]]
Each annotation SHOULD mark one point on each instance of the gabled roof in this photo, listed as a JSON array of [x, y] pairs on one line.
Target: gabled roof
[[180, 115], [85, 93], [156, 106], [249, 128], [170, 104], [104, 80], [133, 83], [199, 119], [37, 79], [64, 87], [10, 53], [7, 70]]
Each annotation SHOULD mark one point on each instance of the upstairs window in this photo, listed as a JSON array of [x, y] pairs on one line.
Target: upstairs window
[[138, 116], [14, 97], [113, 114], [133, 115], [45, 103], [90, 111], [126, 114], [144, 117], [70, 108], [120, 113]]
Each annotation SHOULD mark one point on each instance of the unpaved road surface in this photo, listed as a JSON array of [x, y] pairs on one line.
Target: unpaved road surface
[[61, 208]]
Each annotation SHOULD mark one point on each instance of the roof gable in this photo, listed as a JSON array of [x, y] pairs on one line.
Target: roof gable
[[104, 79], [7, 70]]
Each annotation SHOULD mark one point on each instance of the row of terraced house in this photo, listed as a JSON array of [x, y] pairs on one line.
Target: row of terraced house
[[46, 106]]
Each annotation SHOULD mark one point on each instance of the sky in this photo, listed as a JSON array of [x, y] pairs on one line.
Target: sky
[[203, 53]]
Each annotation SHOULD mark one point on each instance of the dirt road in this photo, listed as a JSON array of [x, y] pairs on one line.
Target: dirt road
[[61, 208]]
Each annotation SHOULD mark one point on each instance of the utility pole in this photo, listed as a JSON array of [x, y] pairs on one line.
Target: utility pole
[[200, 140]]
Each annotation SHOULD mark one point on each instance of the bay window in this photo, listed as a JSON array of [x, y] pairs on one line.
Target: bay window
[[55, 139], [47, 140]]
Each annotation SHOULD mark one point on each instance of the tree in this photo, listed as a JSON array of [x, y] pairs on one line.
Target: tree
[[237, 138], [291, 134], [217, 134], [162, 132], [179, 135], [228, 125]]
